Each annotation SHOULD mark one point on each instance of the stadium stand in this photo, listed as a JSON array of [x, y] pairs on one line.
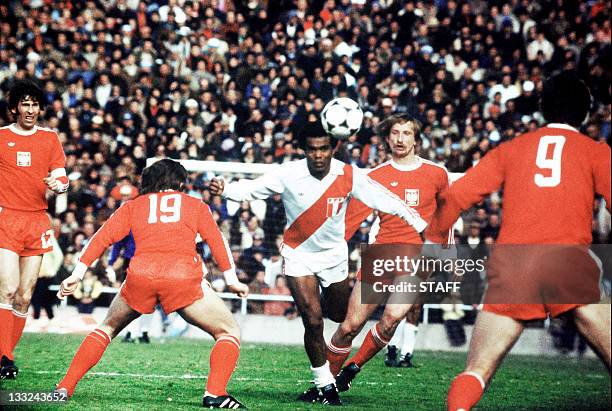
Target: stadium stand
[[233, 81]]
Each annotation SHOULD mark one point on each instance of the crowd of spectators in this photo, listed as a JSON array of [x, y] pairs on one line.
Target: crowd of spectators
[[235, 81]]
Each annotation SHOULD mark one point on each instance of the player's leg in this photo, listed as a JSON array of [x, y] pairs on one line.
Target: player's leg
[[593, 322], [375, 340], [305, 293], [493, 336], [29, 268], [409, 334], [210, 314], [336, 300], [357, 315], [9, 282], [393, 348], [119, 315]]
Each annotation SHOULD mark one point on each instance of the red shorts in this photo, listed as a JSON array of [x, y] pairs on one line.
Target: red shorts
[[527, 312], [26, 233], [174, 282]]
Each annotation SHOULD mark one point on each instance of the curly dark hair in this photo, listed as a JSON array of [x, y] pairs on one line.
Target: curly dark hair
[[165, 174], [565, 99], [21, 88]]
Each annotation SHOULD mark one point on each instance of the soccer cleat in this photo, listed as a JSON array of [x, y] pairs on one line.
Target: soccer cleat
[[327, 395], [222, 401], [128, 338], [346, 376], [144, 338], [391, 357], [8, 369], [61, 393], [405, 361], [310, 395]]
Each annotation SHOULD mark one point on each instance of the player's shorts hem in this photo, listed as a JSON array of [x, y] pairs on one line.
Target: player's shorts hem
[[140, 308], [327, 276], [10, 248], [529, 312], [29, 253], [183, 304]]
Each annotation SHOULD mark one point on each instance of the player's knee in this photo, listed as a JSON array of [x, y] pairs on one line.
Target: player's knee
[[313, 324], [8, 292], [349, 330]]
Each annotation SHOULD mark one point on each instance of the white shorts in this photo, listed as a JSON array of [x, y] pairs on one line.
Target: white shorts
[[327, 276]]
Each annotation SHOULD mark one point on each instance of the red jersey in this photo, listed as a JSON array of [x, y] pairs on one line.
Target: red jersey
[[418, 185], [549, 177], [164, 223], [26, 158]]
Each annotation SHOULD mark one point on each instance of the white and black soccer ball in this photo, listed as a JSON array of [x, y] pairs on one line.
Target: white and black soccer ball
[[341, 117]]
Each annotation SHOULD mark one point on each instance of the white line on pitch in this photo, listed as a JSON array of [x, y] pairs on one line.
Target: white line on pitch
[[190, 377]]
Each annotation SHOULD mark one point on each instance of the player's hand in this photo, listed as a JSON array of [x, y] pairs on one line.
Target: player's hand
[[240, 289], [216, 186], [68, 286], [52, 183]]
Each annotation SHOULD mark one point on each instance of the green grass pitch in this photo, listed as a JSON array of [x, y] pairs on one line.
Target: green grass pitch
[[172, 375]]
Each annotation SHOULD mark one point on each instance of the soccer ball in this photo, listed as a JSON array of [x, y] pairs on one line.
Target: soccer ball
[[341, 117]]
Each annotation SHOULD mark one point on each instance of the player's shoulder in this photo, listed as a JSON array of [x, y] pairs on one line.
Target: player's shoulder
[[433, 166], [380, 169], [194, 204], [45, 130], [569, 133], [291, 168]]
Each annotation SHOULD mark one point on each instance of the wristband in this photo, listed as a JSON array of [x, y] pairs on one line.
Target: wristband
[[79, 270], [230, 277]]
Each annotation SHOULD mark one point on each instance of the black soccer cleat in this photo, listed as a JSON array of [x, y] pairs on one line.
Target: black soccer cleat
[[128, 338], [327, 395], [405, 361], [346, 376], [144, 338], [8, 369], [311, 395], [222, 401], [391, 357]]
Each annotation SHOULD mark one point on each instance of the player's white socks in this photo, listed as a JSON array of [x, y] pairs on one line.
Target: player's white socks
[[409, 340], [322, 375], [396, 340]]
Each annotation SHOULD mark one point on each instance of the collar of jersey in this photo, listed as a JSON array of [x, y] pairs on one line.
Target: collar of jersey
[[336, 168], [561, 125], [410, 167], [15, 130]]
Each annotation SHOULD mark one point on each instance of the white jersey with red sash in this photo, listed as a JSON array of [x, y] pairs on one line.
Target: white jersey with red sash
[[316, 209]]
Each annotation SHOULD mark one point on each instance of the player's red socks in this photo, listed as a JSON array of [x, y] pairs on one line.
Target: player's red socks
[[372, 344], [88, 355], [336, 357], [465, 391], [19, 321], [6, 330], [223, 358]]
